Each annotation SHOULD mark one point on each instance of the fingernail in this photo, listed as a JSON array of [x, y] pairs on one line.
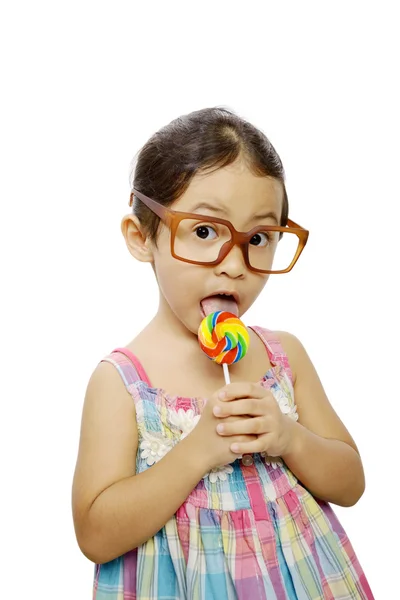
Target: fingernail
[[220, 428], [235, 447], [217, 410], [222, 395]]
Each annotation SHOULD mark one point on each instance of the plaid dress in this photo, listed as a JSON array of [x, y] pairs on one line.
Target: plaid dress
[[245, 532]]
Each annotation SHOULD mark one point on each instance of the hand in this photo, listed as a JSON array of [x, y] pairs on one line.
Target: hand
[[264, 419], [212, 449]]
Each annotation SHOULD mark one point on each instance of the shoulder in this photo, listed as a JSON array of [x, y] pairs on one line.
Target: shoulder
[[289, 342], [106, 384], [294, 350], [104, 374]]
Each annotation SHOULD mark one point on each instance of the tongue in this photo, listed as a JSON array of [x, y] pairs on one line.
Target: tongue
[[215, 303]]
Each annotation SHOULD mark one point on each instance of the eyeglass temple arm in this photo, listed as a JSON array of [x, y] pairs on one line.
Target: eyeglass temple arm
[[157, 208]]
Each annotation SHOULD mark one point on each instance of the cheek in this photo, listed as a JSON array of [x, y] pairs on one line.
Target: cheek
[[259, 281], [177, 282]]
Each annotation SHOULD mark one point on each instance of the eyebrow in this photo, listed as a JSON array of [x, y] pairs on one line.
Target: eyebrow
[[268, 215], [222, 211], [207, 206]]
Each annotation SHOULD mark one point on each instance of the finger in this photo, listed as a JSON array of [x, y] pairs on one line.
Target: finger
[[253, 447], [254, 425], [245, 389], [250, 406], [244, 439], [236, 418]]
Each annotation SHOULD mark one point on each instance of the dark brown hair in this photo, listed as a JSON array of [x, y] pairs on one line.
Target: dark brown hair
[[206, 139]]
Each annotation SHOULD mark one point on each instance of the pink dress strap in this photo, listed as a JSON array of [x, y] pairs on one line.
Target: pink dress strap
[[142, 375], [276, 353], [129, 368]]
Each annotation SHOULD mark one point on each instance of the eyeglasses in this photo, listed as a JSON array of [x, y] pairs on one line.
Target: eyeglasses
[[204, 240]]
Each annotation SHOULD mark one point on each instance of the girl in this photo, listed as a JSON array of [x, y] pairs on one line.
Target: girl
[[183, 488]]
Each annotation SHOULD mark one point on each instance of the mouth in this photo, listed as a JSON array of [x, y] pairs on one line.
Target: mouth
[[225, 301]]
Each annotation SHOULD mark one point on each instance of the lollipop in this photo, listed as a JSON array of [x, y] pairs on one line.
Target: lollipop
[[224, 339]]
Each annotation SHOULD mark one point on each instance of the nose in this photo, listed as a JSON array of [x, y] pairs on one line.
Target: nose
[[233, 264]]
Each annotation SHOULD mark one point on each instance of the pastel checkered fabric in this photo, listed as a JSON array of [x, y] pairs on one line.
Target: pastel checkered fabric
[[251, 534]]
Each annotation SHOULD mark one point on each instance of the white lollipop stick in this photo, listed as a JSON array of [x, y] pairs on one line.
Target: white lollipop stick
[[247, 459], [226, 373]]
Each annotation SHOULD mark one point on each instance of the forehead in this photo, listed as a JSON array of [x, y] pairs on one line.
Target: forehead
[[235, 191]]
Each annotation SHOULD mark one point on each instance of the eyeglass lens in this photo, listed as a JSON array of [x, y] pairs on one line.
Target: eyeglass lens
[[203, 242]]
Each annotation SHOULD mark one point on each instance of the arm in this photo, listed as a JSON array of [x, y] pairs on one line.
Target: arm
[[114, 510], [322, 454]]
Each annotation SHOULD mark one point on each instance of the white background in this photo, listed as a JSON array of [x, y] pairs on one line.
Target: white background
[[84, 84]]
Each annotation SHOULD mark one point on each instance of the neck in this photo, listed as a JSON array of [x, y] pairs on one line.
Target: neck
[[168, 323]]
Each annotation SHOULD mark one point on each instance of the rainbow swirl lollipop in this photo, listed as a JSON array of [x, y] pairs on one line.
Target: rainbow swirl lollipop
[[223, 337]]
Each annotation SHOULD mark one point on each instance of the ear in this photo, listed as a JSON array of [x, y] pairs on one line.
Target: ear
[[138, 244]]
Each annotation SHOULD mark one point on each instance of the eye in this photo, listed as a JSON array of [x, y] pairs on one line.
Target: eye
[[260, 239], [206, 232]]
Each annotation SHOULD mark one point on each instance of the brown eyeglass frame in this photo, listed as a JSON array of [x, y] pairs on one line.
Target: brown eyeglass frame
[[172, 218]]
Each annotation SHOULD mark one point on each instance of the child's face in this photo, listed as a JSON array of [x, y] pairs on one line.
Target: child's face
[[239, 196]]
